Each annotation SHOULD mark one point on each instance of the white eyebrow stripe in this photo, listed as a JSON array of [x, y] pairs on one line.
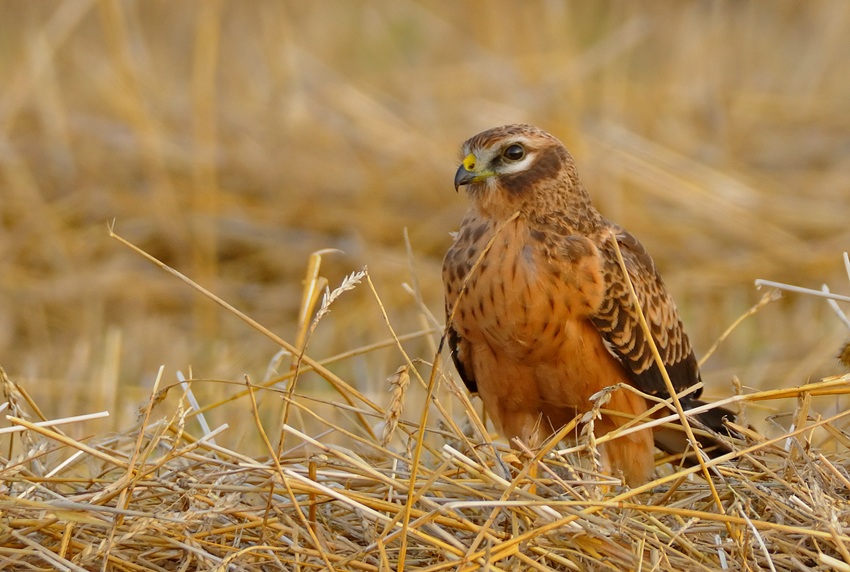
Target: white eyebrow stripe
[[508, 168]]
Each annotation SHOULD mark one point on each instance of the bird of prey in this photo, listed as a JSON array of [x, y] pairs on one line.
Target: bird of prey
[[539, 314]]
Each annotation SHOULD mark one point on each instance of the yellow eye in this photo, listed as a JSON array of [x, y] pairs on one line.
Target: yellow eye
[[514, 152]]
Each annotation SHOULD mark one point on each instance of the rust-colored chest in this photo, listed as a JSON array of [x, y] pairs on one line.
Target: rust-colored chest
[[527, 291]]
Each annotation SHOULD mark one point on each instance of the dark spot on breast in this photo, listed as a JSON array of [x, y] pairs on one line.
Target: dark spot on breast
[[538, 235], [551, 303], [479, 232], [528, 254]]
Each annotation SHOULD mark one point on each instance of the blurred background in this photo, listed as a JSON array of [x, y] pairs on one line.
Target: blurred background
[[233, 139]]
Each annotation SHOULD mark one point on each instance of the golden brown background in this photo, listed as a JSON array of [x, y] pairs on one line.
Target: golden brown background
[[232, 139]]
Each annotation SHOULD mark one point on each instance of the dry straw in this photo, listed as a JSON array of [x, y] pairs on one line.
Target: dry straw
[[158, 497]]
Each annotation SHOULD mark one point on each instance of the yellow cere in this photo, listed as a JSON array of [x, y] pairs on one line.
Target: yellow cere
[[469, 162]]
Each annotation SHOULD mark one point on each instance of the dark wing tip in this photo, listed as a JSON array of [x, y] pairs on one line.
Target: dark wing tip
[[463, 369], [715, 418], [674, 441]]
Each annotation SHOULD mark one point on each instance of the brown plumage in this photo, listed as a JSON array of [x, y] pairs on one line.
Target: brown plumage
[[545, 320]]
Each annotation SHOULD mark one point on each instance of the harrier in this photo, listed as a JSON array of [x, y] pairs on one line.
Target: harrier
[[539, 315]]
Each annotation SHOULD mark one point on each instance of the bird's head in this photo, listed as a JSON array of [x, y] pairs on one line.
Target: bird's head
[[517, 166], [500, 154]]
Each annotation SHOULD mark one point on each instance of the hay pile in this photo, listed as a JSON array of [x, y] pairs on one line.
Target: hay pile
[[338, 496], [159, 497]]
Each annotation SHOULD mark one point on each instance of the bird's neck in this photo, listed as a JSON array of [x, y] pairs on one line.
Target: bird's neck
[[570, 213], [495, 202]]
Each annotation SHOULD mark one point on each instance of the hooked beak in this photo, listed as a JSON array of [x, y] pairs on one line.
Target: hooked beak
[[468, 172]]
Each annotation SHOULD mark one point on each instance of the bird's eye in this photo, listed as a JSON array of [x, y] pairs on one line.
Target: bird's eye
[[514, 152]]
